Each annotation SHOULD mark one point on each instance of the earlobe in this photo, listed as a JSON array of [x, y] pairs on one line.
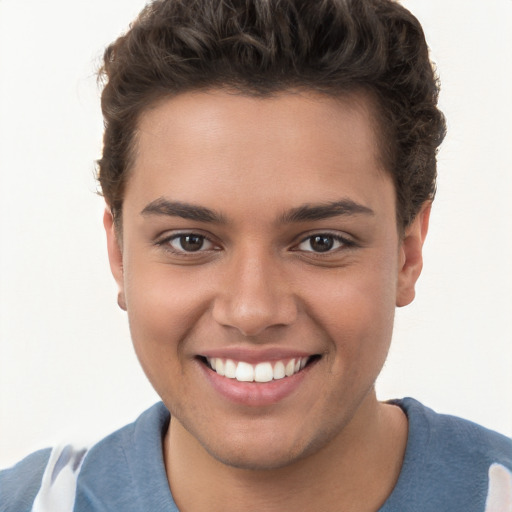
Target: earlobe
[[411, 256], [115, 255]]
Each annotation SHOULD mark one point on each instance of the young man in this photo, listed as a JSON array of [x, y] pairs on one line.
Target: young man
[[268, 169]]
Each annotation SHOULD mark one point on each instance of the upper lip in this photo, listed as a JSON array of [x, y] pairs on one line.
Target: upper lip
[[254, 356]]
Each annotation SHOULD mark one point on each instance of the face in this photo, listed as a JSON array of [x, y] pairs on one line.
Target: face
[[260, 266]]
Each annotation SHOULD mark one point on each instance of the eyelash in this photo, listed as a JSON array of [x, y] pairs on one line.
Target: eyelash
[[342, 241], [166, 243]]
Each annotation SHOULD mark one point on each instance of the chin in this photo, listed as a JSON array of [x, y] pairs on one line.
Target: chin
[[257, 460], [266, 452]]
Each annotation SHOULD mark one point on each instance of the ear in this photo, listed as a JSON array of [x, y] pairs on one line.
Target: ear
[[115, 255], [411, 256]]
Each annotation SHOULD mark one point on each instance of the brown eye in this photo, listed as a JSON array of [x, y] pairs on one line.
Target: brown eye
[[190, 242], [322, 243]]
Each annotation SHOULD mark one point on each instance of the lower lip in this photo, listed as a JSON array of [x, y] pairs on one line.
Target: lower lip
[[254, 394]]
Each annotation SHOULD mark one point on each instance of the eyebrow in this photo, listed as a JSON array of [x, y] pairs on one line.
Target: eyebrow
[[303, 213], [312, 212], [162, 206]]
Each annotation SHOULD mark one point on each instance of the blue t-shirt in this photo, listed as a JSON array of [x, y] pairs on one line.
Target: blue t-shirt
[[450, 465]]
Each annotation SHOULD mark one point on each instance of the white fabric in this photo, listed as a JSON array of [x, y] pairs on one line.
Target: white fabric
[[58, 486], [499, 497]]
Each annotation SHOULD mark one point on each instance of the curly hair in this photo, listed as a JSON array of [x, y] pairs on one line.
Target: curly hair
[[262, 47]]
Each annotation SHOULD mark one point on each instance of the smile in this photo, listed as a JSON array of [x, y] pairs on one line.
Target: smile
[[261, 372]]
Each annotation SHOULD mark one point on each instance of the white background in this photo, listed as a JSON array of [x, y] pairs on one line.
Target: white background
[[67, 368]]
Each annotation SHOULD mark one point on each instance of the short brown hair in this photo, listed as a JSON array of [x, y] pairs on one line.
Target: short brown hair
[[260, 47]]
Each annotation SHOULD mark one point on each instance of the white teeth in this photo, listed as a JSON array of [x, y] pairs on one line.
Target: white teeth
[[244, 372], [230, 369], [290, 368], [261, 372], [219, 366], [279, 372]]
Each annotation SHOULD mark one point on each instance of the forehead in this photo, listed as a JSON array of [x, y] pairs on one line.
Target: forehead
[[300, 147]]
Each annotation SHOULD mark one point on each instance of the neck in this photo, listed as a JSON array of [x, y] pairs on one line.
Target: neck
[[356, 471]]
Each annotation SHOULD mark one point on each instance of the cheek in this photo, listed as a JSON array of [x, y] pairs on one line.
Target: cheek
[[164, 304], [356, 308]]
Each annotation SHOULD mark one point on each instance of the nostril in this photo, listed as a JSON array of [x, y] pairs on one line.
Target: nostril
[[252, 317], [255, 299]]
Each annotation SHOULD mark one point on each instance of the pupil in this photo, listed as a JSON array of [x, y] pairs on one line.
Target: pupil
[[191, 242], [322, 243]]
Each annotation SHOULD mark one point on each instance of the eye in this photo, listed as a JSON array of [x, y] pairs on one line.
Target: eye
[[322, 242], [189, 242]]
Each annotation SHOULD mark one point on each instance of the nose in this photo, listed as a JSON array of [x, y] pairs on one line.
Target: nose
[[255, 295]]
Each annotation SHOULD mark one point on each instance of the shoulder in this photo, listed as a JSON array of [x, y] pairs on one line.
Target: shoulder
[[43, 481], [101, 478], [20, 484], [126, 471], [456, 438], [452, 464]]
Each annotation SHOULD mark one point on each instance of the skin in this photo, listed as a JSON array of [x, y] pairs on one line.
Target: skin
[[259, 284]]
